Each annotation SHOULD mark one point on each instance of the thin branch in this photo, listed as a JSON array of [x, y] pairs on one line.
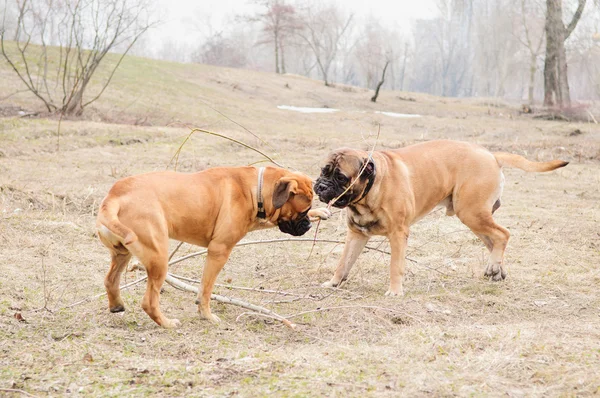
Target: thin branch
[[569, 29], [226, 300], [118, 64], [196, 130], [85, 300], [257, 242], [232, 287], [16, 390], [15, 93], [175, 250], [373, 307], [236, 123]]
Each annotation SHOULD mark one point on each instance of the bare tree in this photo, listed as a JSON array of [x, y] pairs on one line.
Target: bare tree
[[377, 53], [583, 49], [8, 19], [405, 54], [323, 29], [84, 31], [278, 23], [556, 83], [444, 52], [532, 44], [374, 97], [222, 50]]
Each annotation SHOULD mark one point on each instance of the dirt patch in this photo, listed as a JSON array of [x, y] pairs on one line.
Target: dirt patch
[[454, 332]]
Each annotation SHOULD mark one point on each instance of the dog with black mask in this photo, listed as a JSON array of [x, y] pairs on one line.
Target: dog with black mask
[[297, 227], [385, 192], [214, 208]]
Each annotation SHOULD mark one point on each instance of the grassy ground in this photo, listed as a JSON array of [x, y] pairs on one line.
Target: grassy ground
[[454, 333]]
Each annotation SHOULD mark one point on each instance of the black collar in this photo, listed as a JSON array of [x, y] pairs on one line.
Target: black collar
[[371, 180], [261, 206]]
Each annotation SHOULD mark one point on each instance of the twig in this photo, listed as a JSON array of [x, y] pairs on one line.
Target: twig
[[10, 95], [373, 307], [592, 116], [256, 314], [226, 300], [236, 123], [175, 250], [104, 294], [137, 266], [232, 287], [256, 242], [62, 113], [17, 391], [199, 130]]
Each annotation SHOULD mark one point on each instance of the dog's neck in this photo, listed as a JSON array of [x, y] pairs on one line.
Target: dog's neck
[[262, 214], [370, 181]]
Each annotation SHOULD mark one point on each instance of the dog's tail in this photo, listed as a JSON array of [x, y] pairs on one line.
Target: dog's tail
[[108, 218], [512, 160]]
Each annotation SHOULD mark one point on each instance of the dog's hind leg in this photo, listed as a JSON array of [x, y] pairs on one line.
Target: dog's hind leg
[[156, 267], [152, 251], [118, 263], [494, 236]]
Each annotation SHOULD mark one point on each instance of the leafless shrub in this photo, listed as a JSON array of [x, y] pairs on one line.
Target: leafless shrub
[[84, 31]]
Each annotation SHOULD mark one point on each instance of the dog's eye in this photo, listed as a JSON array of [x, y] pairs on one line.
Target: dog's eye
[[303, 214], [326, 170], [341, 178]]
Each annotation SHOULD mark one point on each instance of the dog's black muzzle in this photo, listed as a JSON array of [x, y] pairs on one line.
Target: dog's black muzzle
[[328, 190], [295, 227]]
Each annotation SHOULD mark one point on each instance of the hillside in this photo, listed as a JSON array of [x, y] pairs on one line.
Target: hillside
[[454, 333]]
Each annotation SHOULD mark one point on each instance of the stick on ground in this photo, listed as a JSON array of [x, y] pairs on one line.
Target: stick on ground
[[227, 300]]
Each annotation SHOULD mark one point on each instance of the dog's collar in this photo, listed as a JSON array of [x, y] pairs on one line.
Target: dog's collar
[[370, 182], [261, 205]]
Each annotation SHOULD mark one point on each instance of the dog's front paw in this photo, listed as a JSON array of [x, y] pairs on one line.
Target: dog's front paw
[[117, 308], [171, 323], [323, 213], [330, 284], [211, 318], [395, 292]]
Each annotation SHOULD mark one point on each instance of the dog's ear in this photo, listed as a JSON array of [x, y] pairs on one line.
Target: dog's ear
[[369, 168], [284, 188]]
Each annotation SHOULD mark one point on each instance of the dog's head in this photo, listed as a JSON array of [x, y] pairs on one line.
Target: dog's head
[[341, 168], [293, 194]]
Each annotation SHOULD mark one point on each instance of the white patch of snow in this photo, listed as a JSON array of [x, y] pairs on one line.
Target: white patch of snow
[[307, 110], [400, 115]]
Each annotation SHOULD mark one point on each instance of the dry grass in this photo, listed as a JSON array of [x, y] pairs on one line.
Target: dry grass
[[454, 333]]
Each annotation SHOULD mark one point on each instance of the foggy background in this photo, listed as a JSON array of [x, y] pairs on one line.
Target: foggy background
[[457, 48]]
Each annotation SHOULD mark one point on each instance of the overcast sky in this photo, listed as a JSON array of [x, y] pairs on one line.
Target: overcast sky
[[185, 22]]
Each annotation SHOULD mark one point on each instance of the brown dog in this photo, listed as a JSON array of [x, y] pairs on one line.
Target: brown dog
[[214, 208], [399, 187]]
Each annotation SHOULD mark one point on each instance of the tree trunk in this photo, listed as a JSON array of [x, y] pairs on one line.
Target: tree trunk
[[554, 27], [403, 66], [276, 52], [282, 58], [374, 98], [556, 82], [73, 107], [563, 81], [532, 70]]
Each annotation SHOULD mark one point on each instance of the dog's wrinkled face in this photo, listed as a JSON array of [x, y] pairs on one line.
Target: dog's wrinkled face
[[341, 168], [293, 195]]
